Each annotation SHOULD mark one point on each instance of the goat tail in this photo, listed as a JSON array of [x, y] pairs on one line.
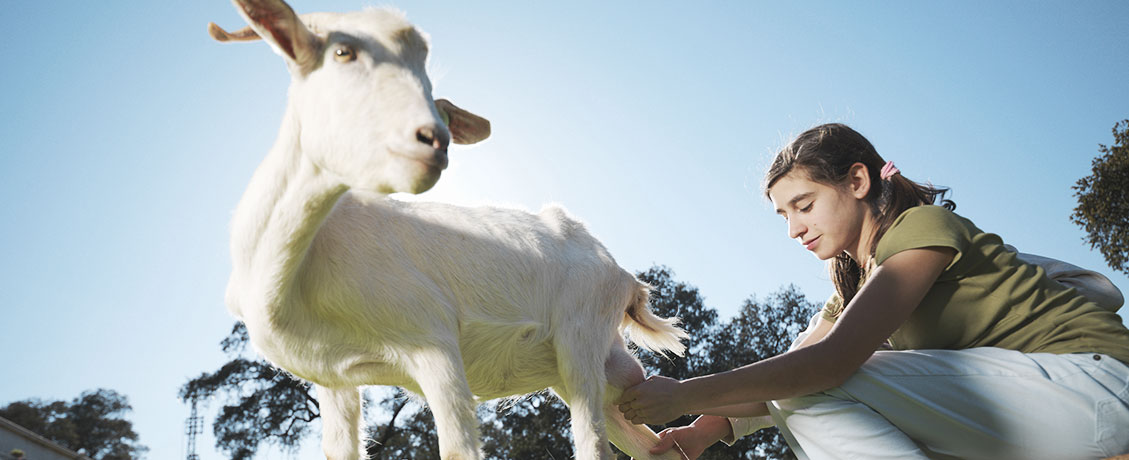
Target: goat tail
[[644, 328]]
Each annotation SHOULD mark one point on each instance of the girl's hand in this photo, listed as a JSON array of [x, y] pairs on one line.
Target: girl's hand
[[684, 439], [656, 401]]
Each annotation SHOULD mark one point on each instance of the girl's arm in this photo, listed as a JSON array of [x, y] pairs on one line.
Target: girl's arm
[[693, 439], [749, 409], [883, 303], [816, 332]]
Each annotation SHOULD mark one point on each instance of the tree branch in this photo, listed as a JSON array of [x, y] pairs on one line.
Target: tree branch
[[390, 429]]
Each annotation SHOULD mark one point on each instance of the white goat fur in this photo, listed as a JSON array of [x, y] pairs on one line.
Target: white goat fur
[[344, 287]]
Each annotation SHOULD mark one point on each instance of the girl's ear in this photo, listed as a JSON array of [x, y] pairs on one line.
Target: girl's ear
[[859, 176]]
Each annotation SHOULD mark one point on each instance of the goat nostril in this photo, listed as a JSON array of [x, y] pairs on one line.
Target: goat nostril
[[426, 135], [432, 136]]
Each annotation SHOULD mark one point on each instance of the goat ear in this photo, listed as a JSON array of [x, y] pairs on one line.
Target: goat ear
[[275, 22], [465, 127], [241, 35]]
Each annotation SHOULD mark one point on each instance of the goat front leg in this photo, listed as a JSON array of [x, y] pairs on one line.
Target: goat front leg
[[341, 423], [439, 373]]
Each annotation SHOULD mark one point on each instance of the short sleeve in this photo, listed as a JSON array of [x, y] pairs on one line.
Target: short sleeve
[[923, 227], [832, 308], [744, 426]]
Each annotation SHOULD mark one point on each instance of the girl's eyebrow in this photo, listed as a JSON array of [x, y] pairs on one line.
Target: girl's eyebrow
[[793, 201]]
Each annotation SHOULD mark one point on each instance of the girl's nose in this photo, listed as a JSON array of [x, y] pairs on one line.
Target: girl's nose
[[795, 228]]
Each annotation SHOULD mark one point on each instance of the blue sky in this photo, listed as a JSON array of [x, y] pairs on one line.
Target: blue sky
[[127, 137]]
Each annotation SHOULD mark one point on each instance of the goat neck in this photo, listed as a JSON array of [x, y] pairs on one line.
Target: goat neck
[[287, 201]]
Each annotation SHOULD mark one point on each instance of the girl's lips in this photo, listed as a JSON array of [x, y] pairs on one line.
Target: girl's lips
[[810, 245]]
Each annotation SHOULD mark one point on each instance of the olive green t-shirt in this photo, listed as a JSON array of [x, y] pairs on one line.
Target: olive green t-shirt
[[988, 298]]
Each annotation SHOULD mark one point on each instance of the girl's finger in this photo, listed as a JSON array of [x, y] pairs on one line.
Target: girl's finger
[[626, 397], [666, 442]]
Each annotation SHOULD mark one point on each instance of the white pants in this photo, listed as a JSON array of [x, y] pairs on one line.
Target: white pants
[[980, 403]]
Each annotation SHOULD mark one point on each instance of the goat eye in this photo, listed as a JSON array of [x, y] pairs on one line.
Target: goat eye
[[344, 54]]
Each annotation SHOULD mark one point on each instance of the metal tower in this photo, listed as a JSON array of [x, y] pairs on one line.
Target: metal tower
[[192, 427]]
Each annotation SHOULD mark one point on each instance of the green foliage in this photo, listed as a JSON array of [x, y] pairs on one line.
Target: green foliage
[[263, 404], [1103, 201], [673, 298], [762, 329], [47, 419], [91, 424], [413, 438], [536, 426], [759, 331]]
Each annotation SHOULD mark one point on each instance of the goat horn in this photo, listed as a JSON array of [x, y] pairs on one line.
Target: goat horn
[[241, 35]]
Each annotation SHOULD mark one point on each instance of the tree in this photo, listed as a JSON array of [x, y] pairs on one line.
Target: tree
[[264, 405], [47, 419], [91, 424], [1103, 201], [761, 330], [410, 433], [671, 298], [535, 426]]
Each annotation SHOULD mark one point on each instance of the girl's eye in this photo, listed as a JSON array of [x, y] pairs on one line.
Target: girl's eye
[[807, 208], [344, 54]]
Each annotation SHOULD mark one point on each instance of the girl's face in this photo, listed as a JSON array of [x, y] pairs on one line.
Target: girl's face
[[826, 220]]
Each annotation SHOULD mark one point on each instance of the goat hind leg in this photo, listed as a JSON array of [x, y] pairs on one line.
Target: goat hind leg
[[584, 383], [624, 371], [341, 422]]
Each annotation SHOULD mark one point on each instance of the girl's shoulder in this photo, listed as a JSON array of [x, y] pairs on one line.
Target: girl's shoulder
[[928, 212], [925, 226], [931, 219]]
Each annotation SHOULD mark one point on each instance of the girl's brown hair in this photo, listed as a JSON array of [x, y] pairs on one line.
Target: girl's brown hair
[[826, 153]]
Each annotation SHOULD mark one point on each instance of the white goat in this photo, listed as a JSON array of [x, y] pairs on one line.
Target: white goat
[[343, 287]]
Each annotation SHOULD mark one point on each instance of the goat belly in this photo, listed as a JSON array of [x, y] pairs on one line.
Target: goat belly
[[507, 359]]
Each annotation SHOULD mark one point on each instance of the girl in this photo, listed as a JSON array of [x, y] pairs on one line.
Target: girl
[[988, 357]]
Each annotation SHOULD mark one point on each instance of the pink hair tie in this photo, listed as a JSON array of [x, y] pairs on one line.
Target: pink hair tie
[[888, 171]]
